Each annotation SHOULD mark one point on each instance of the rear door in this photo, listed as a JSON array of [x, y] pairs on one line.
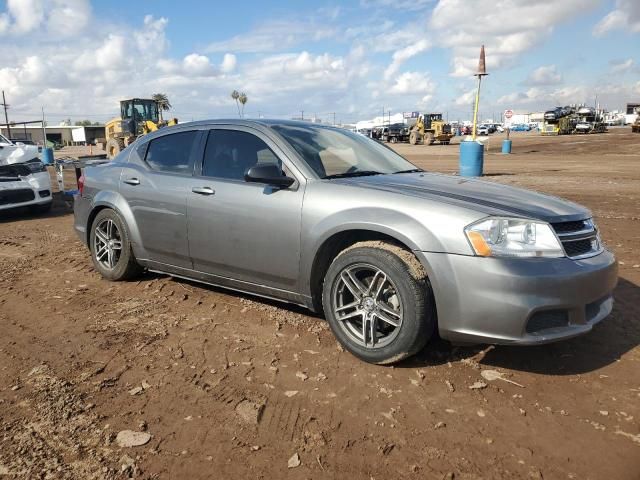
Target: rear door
[[244, 231], [155, 183]]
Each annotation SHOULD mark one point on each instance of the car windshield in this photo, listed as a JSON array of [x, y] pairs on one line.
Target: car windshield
[[333, 152]]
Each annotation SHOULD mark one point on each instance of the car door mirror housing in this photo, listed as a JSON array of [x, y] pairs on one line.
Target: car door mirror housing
[[268, 173]]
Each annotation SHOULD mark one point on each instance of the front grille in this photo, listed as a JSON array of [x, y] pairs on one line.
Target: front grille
[[579, 238], [569, 227], [546, 320], [16, 196]]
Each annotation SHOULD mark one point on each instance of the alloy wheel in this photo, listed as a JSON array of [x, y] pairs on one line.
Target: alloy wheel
[[367, 306], [107, 244]]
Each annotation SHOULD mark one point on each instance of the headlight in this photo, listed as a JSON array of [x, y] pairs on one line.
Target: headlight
[[36, 166], [513, 237]]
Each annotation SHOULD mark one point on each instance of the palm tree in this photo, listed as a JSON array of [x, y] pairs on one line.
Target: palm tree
[[162, 101], [243, 99], [235, 95]]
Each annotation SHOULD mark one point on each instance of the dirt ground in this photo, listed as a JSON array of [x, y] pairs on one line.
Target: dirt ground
[[228, 386]]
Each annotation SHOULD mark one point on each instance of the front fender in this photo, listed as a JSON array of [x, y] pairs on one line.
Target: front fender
[[400, 226]]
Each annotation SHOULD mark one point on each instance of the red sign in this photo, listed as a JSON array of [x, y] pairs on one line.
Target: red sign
[[508, 113]]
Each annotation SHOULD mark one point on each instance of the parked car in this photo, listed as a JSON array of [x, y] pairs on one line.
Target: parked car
[[397, 132], [584, 127], [341, 224], [482, 130], [24, 180]]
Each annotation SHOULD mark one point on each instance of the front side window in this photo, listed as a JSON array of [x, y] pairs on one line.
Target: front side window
[[333, 152], [172, 153], [230, 153]]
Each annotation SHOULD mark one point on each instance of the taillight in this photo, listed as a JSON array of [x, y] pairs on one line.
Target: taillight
[[81, 185]]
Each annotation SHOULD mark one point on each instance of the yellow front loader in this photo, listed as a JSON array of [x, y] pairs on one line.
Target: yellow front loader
[[138, 116], [430, 128]]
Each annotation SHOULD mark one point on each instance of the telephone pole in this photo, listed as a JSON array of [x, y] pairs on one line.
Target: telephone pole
[[334, 118], [6, 116]]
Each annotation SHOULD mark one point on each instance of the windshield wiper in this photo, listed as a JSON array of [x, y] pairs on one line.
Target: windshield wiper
[[412, 170], [359, 173]]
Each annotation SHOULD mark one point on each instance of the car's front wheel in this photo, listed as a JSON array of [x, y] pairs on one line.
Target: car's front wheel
[[378, 302], [111, 247]]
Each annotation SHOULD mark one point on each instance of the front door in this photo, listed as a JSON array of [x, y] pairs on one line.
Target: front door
[[155, 183], [244, 231]]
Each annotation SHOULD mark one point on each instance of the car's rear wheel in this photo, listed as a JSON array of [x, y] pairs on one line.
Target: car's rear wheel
[[111, 247], [378, 302]]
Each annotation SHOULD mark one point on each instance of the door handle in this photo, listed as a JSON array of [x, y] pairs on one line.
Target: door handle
[[132, 181], [203, 190]]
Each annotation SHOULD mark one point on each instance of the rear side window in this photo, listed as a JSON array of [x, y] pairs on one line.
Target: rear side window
[[172, 153], [230, 153]]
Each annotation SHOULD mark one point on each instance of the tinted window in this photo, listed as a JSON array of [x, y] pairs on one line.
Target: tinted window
[[230, 153], [172, 153]]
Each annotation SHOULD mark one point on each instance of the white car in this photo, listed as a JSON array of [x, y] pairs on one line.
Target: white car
[[24, 180], [482, 130]]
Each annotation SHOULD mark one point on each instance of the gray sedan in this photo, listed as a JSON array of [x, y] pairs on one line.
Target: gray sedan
[[341, 224]]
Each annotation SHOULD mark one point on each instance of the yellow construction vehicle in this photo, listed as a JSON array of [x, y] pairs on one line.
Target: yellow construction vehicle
[[635, 126], [138, 116], [430, 128]]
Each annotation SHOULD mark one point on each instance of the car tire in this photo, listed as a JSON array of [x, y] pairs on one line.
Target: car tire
[[119, 264], [407, 293]]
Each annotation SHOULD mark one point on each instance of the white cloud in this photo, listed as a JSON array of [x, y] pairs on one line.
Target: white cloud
[[466, 99], [404, 54], [625, 16], [412, 83], [274, 36], [151, 39], [196, 64], [61, 17], [68, 17], [229, 62], [27, 14], [545, 75], [508, 30], [621, 66], [402, 5]]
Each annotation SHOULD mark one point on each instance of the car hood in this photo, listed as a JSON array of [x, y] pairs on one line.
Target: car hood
[[12, 154], [483, 196]]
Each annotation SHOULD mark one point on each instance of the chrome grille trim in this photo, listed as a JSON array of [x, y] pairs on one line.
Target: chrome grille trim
[[571, 232]]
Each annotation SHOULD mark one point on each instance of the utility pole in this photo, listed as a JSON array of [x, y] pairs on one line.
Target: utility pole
[[6, 117], [301, 114], [334, 118], [44, 131]]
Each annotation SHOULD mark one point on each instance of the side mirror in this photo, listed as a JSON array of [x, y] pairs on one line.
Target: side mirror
[[268, 173]]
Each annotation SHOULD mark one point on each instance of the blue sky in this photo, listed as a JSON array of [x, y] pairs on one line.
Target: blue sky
[[77, 58]]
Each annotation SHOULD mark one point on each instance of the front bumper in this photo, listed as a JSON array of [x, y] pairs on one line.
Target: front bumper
[[519, 301], [34, 189]]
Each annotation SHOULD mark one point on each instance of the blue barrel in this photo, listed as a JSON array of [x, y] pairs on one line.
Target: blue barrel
[[506, 146], [471, 159], [47, 156]]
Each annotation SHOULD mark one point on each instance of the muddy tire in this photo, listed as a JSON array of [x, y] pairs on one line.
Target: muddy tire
[[110, 247], [429, 139], [114, 147], [414, 138], [378, 302]]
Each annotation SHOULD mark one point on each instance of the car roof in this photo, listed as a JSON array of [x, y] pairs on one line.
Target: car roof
[[265, 122]]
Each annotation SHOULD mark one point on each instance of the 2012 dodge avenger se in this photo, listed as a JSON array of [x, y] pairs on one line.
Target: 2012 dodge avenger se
[[334, 221]]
